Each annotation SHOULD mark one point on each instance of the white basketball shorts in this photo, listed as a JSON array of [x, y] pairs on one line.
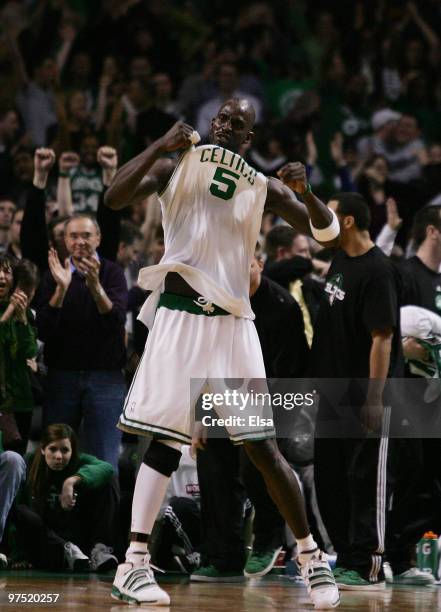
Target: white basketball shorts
[[183, 346]]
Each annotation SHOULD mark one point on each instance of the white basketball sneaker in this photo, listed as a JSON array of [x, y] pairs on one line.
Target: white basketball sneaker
[[137, 585], [319, 580]]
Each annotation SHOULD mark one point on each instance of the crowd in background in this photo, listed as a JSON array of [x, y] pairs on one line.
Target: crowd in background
[[352, 91]]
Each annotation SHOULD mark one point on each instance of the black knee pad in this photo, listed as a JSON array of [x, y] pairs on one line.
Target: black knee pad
[[162, 458]]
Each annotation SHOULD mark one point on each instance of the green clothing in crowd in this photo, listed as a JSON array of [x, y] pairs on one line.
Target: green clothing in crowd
[[18, 342]]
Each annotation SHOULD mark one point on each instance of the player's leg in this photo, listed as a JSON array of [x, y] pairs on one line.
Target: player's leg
[[283, 487], [134, 581]]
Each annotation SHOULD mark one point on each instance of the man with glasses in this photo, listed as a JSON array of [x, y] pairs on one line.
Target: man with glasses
[[81, 320]]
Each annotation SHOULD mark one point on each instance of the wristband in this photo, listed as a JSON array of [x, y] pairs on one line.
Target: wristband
[[326, 234], [307, 190], [63, 175]]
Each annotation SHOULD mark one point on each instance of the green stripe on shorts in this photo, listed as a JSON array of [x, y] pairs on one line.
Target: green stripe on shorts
[[198, 306]]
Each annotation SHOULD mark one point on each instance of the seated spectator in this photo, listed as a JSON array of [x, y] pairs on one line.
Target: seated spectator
[[7, 210], [12, 474], [81, 313], [176, 536], [18, 345], [66, 510]]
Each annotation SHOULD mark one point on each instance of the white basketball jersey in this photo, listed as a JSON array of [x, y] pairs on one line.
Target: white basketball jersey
[[212, 210]]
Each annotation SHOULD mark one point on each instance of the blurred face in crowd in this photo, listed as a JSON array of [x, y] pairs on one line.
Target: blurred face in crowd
[[81, 66], [81, 238], [7, 210], [380, 168], [9, 126], [110, 66], [6, 281], [16, 227], [300, 246], [435, 154], [414, 53], [128, 253], [255, 273], [88, 151], [163, 85], [46, 72], [157, 250], [143, 40], [406, 130], [57, 454], [137, 93], [227, 78], [23, 166], [78, 106], [140, 68]]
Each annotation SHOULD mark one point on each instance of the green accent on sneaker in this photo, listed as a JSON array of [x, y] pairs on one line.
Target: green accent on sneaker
[[338, 571], [198, 306], [261, 562], [209, 573], [116, 594], [352, 578]]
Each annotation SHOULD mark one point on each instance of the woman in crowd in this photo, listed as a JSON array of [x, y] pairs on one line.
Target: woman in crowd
[[66, 511]]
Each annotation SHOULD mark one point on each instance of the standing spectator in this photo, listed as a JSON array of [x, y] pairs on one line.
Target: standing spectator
[[403, 157], [9, 126], [18, 344], [80, 318], [357, 339], [383, 123], [85, 179], [36, 99], [14, 248], [69, 502], [7, 211]]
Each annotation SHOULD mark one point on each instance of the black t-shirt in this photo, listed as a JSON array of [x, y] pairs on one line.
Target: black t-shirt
[[361, 295], [422, 286], [281, 332]]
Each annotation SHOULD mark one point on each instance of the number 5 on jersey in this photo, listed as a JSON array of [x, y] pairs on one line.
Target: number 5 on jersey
[[223, 186]]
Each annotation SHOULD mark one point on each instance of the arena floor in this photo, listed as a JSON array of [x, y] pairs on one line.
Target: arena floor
[[92, 593]]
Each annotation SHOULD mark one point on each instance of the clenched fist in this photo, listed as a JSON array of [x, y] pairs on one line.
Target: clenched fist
[[294, 176], [44, 159], [67, 161], [178, 137], [107, 158]]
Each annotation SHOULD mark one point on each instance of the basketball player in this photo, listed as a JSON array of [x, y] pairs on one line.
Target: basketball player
[[200, 322]]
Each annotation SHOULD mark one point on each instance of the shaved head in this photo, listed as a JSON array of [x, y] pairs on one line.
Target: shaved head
[[233, 124], [244, 107]]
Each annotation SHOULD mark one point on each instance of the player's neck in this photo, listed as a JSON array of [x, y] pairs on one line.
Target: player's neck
[[429, 255], [357, 243]]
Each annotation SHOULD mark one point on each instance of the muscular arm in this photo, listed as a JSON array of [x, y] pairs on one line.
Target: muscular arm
[[147, 173], [282, 201]]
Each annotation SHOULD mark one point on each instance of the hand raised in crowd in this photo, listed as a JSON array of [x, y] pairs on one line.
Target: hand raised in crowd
[[294, 176], [61, 275], [107, 158], [394, 220], [67, 495], [19, 300], [44, 159], [68, 160], [336, 149], [178, 137]]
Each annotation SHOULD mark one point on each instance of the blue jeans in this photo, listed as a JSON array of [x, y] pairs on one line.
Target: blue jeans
[[12, 474], [93, 398]]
